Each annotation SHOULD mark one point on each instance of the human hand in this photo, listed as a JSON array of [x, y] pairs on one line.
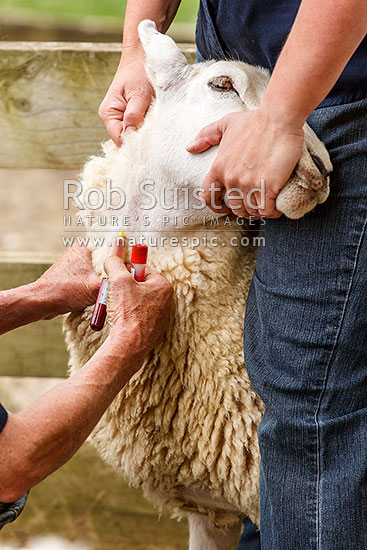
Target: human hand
[[128, 97], [138, 312], [71, 284], [253, 146]]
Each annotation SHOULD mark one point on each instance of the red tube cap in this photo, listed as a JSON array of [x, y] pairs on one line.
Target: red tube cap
[[139, 254]]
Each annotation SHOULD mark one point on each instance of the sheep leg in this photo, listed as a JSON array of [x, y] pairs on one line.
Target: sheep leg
[[204, 536]]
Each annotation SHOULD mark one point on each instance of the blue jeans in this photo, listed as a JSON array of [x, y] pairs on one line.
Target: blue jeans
[[305, 344], [250, 536]]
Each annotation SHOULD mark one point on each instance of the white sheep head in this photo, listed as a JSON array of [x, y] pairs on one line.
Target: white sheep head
[[188, 97]]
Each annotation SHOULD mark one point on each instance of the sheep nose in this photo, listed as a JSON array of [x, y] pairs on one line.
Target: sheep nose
[[320, 166]]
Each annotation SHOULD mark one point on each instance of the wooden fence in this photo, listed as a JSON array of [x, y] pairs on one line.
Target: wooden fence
[[49, 97]]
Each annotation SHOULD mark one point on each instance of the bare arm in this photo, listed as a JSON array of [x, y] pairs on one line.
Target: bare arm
[[69, 285], [130, 93], [269, 140], [162, 12], [323, 39], [20, 306], [47, 433]]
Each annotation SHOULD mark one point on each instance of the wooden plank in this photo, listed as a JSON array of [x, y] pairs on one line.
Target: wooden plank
[[37, 349], [49, 98]]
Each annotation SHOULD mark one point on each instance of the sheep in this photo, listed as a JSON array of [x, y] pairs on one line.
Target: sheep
[[185, 427]]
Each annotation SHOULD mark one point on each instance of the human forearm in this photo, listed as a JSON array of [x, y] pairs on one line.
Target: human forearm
[[323, 38], [162, 12], [47, 433], [42, 437], [23, 305], [69, 285]]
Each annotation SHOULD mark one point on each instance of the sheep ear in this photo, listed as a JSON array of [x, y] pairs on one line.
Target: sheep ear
[[165, 63]]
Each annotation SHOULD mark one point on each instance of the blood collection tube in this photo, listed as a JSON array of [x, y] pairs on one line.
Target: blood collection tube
[[139, 255], [100, 309]]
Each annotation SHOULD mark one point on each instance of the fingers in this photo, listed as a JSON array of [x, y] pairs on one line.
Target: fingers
[[115, 260], [111, 112], [135, 111], [124, 115], [212, 192], [270, 210], [209, 136], [118, 248], [114, 129], [115, 268], [251, 202], [153, 277], [156, 282], [93, 283], [235, 201], [224, 195]]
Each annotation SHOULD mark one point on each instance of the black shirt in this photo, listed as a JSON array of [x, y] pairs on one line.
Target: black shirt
[[9, 511], [254, 31], [3, 417]]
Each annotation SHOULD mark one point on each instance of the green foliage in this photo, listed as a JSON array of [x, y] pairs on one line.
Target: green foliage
[[79, 8]]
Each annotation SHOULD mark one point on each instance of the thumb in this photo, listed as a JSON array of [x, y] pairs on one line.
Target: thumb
[[114, 265], [207, 137], [115, 268], [135, 111], [118, 247]]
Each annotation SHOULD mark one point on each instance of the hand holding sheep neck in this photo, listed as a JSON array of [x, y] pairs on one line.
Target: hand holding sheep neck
[[254, 146]]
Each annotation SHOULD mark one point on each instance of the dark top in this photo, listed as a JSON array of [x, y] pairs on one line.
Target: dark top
[[9, 511], [3, 417], [255, 31]]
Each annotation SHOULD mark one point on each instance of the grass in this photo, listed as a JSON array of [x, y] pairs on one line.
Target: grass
[[78, 8]]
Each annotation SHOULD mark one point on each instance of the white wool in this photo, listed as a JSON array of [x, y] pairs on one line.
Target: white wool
[[185, 427]]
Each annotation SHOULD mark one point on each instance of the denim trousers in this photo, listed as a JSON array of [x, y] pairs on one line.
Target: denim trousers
[[305, 345]]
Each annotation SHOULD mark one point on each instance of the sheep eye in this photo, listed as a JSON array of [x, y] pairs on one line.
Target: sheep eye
[[221, 84]]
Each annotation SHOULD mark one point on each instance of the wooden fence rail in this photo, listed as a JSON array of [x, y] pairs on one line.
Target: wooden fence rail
[[37, 349], [49, 97]]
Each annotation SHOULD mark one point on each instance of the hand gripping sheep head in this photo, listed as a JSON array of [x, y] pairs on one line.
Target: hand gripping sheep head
[[195, 95], [185, 427]]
